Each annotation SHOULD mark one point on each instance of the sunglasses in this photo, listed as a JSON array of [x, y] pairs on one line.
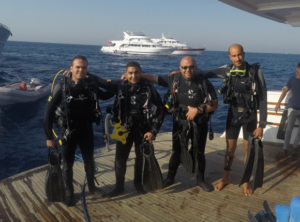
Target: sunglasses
[[237, 72], [187, 67]]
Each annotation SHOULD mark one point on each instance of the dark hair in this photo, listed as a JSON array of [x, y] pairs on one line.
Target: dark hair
[[298, 65], [133, 64], [79, 57]]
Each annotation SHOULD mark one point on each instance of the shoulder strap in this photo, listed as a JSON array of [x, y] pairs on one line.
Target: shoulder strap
[[228, 68], [253, 70], [174, 86], [202, 82], [176, 81], [65, 91]]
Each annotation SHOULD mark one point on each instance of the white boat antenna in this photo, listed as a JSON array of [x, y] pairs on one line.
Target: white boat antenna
[[163, 35]]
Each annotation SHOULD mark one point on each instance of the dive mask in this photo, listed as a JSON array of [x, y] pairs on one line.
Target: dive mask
[[234, 72]]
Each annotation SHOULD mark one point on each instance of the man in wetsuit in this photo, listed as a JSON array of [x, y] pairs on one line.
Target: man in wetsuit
[[293, 107], [245, 92], [189, 118], [72, 106], [140, 109]]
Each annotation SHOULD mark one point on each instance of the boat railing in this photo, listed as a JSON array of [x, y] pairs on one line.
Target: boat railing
[[130, 33]]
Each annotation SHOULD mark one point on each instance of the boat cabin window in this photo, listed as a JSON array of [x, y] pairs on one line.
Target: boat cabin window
[[154, 46], [113, 44], [134, 45]]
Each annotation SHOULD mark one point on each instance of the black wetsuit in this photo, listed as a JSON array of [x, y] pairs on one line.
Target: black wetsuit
[[132, 113], [249, 121], [80, 115], [189, 95]]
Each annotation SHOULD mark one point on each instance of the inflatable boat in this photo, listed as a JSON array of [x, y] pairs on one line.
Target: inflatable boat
[[20, 92]]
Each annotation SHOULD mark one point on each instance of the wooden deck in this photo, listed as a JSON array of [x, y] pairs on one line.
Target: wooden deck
[[22, 196]]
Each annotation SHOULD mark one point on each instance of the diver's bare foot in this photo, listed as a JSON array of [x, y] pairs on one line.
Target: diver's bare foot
[[221, 185], [248, 191]]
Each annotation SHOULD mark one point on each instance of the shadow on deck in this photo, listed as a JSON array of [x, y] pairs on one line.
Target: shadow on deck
[[22, 196]]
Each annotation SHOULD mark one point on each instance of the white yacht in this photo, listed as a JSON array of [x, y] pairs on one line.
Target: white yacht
[[136, 43], [4, 34], [181, 48]]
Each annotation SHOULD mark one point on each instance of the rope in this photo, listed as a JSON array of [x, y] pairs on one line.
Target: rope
[[11, 68], [23, 134], [83, 203], [77, 158]]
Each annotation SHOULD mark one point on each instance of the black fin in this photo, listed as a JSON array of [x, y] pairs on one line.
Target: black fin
[[151, 176], [269, 213], [185, 158], [54, 183], [249, 162], [258, 167]]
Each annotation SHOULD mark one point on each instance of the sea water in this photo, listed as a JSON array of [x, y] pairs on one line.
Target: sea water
[[22, 138]]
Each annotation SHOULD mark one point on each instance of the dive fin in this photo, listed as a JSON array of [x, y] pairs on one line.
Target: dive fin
[[54, 183], [281, 128], [185, 158], [258, 167], [251, 217], [249, 162], [151, 174], [269, 215]]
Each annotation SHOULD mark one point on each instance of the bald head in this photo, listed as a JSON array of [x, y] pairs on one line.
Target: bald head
[[188, 67], [237, 55], [236, 47], [188, 59]]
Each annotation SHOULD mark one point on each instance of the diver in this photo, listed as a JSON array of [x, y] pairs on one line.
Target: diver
[[190, 100], [73, 106], [139, 110], [244, 90]]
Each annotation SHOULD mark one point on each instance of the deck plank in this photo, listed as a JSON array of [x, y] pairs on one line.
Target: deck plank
[[22, 196]]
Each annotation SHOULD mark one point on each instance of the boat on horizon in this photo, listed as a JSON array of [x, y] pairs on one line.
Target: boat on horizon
[[4, 35], [181, 48], [136, 43]]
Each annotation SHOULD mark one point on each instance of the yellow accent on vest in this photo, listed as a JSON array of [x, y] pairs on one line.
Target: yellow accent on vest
[[120, 133]]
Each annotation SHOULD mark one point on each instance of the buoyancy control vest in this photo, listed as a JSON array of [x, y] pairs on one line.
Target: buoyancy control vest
[[170, 98], [79, 107], [133, 105], [248, 99]]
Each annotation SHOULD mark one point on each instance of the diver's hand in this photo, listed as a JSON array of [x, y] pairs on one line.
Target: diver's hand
[[191, 113], [277, 107], [258, 133], [51, 143], [67, 73], [149, 136], [174, 73], [123, 77]]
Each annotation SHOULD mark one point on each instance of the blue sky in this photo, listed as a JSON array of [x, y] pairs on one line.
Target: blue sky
[[208, 23]]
